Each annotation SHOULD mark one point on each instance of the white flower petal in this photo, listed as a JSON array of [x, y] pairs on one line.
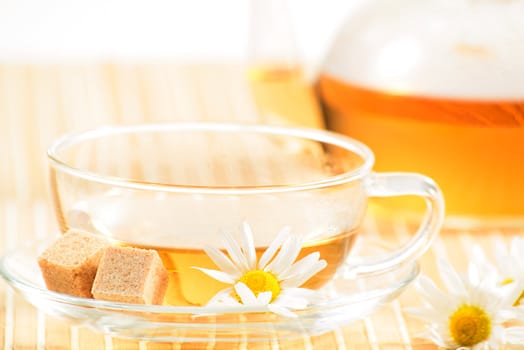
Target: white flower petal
[[479, 298], [498, 334], [223, 297], [298, 298], [514, 335], [489, 277], [429, 291], [437, 338], [478, 254], [248, 246], [519, 246], [513, 292], [450, 277], [234, 251], [515, 247], [294, 304], [500, 250], [246, 295], [287, 254], [222, 261], [313, 296], [300, 267], [291, 303], [273, 247], [264, 298], [300, 280], [282, 311], [474, 274], [504, 315], [216, 274]]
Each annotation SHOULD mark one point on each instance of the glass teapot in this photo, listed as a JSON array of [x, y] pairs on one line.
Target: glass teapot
[[437, 87]]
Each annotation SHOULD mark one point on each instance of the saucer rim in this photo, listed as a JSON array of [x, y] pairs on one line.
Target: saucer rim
[[318, 312]]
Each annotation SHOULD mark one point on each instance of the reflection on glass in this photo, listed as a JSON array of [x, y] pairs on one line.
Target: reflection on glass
[[281, 93]]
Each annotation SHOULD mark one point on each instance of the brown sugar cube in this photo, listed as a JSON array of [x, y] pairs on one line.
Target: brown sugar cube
[[130, 275], [69, 265]]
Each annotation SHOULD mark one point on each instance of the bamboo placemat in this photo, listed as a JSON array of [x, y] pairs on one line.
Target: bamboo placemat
[[40, 102]]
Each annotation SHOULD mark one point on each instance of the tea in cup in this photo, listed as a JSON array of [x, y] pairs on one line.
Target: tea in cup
[[175, 187]]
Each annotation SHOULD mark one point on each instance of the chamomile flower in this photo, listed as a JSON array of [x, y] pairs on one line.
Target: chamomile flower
[[508, 266], [273, 281], [471, 314]]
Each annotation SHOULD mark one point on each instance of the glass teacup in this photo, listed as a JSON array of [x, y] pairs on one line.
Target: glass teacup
[[175, 187]]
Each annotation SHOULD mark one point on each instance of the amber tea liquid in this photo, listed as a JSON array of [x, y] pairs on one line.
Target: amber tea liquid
[[283, 97], [179, 226], [188, 286], [473, 148]]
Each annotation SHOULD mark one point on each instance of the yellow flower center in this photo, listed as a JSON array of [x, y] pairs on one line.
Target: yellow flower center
[[261, 281], [469, 325]]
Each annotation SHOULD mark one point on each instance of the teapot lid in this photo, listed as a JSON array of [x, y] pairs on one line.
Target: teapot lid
[[462, 48]]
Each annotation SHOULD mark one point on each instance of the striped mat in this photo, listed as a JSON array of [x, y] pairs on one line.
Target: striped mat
[[40, 102]]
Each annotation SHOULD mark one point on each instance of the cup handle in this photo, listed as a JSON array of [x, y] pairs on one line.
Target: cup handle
[[402, 184]]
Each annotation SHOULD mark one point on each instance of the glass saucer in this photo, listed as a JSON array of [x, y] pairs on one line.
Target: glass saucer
[[348, 297]]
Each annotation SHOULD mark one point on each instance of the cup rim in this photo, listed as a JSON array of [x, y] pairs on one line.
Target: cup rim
[[347, 143]]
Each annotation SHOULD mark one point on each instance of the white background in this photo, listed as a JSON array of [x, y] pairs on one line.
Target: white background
[[174, 29]]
